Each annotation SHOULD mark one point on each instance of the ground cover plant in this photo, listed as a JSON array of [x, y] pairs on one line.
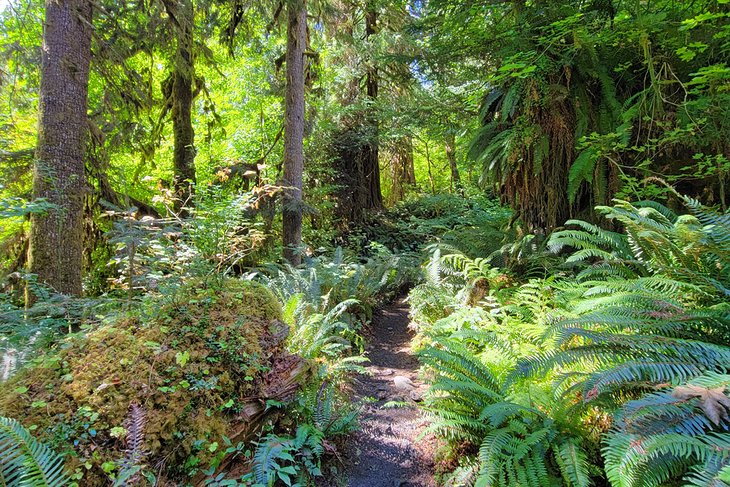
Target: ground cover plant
[[621, 350]]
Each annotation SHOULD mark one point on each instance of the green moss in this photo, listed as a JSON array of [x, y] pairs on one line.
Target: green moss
[[189, 364]]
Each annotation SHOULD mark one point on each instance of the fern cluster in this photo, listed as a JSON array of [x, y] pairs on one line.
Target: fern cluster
[[296, 459], [630, 336], [518, 444], [474, 224], [652, 325], [323, 282]]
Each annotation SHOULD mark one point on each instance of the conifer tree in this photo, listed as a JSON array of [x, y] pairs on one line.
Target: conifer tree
[[55, 252]]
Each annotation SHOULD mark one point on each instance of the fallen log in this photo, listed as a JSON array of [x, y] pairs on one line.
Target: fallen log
[[280, 384]]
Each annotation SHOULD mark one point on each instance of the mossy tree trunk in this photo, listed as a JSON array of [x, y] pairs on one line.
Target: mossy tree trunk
[[371, 195], [294, 130], [403, 174], [56, 239], [451, 157], [182, 104]]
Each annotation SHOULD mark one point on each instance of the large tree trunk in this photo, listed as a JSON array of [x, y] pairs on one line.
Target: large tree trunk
[[355, 146], [182, 104], [371, 195], [451, 157], [56, 239], [294, 130]]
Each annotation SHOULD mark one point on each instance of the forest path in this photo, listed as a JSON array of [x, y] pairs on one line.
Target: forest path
[[386, 451]]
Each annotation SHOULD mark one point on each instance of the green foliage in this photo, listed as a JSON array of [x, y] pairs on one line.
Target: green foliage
[[627, 339], [327, 334], [670, 433], [324, 283], [315, 335], [24, 461], [539, 349], [190, 356], [26, 332], [650, 315], [222, 237], [297, 459], [289, 460], [519, 445], [474, 224], [469, 387], [584, 101]]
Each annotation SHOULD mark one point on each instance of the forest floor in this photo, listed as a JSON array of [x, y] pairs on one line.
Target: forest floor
[[386, 451]]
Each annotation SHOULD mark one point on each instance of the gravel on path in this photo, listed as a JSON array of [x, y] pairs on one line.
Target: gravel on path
[[387, 451]]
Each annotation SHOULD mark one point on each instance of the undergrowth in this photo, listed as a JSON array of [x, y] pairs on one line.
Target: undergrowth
[[610, 368], [596, 355]]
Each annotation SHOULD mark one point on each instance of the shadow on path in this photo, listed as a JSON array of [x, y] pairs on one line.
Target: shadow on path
[[386, 451]]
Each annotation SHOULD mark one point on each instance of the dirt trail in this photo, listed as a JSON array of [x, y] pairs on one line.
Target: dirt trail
[[386, 452]]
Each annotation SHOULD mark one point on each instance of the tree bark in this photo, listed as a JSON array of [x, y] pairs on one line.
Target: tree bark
[[294, 131], [451, 157], [428, 165], [403, 171], [56, 240], [372, 195], [182, 105]]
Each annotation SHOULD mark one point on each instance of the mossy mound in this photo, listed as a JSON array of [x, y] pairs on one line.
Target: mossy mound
[[190, 364]]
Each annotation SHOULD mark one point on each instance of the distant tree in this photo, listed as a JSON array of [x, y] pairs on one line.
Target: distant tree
[[181, 95], [450, 147], [403, 172], [294, 130], [371, 196], [357, 141], [55, 253]]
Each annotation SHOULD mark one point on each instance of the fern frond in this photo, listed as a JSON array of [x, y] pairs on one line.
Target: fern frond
[[26, 462], [135, 452], [573, 464]]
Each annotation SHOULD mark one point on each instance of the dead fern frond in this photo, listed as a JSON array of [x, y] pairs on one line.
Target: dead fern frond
[[133, 462]]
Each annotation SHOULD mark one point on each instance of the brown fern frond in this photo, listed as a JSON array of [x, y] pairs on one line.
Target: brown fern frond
[[135, 452]]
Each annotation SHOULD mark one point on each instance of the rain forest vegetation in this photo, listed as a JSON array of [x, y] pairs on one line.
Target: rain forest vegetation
[[204, 202]]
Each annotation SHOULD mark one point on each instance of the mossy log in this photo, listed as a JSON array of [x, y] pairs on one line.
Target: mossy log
[[201, 363], [283, 382]]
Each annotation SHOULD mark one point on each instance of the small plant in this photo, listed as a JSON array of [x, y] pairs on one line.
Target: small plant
[[26, 462], [296, 460], [133, 463]]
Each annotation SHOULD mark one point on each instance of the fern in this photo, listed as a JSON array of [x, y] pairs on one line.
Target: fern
[[651, 318], [581, 170], [524, 445], [281, 457], [573, 463], [133, 463], [26, 462], [465, 402]]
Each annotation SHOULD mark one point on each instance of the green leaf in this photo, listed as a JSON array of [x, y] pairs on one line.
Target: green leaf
[[581, 170], [181, 358], [26, 462]]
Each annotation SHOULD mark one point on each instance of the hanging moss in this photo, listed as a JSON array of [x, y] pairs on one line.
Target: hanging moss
[[190, 365]]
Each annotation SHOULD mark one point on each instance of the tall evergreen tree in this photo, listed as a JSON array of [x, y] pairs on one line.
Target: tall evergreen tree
[[294, 130], [355, 145], [371, 196], [182, 15], [55, 253]]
